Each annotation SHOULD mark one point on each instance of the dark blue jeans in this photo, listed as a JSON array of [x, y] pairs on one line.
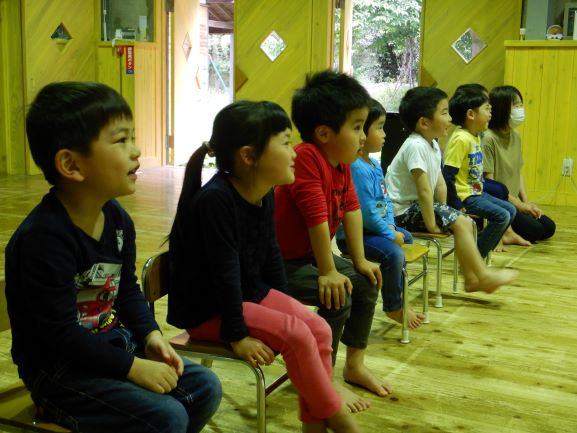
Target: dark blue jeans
[[351, 324], [87, 402], [392, 259], [499, 214]]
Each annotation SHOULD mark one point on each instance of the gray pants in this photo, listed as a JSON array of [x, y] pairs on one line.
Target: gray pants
[[350, 324]]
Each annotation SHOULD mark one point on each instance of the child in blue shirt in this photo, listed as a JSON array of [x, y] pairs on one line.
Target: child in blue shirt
[[381, 237]]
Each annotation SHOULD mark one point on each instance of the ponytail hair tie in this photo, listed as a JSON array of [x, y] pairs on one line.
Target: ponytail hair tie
[[209, 150]]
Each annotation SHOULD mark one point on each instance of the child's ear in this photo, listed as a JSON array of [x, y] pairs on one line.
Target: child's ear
[[322, 134], [422, 123], [470, 114], [66, 164], [247, 155]]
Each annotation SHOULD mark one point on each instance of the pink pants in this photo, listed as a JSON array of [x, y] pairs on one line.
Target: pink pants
[[304, 340]]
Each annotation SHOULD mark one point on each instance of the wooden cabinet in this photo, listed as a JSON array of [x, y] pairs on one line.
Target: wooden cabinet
[[546, 74]]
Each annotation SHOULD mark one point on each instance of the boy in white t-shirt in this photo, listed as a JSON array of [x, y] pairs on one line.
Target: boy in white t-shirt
[[419, 193]]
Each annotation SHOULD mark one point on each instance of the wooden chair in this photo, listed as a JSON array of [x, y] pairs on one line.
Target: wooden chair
[[155, 285], [436, 239], [18, 412], [414, 252]]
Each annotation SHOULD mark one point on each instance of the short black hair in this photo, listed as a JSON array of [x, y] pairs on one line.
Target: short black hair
[[419, 102], [376, 110], [327, 98], [70, 115], [465, 99], [501, 99], [474, 86]]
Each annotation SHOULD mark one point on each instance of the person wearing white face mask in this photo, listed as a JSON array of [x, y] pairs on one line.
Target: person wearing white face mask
[[503, 163]]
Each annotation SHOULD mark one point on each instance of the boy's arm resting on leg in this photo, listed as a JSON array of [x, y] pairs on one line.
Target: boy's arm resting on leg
[[425, 200], [353, 226], [156, 348], [440, 193], [152, 375], [332, 284]]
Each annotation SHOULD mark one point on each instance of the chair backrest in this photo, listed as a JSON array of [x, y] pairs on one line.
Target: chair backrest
[[155, 278]]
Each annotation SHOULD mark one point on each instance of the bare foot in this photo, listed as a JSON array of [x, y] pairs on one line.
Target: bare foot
[[343, 422], [361, 376], [353, 402], [512, 238], [415, 319], [492, 280], [500, 247]]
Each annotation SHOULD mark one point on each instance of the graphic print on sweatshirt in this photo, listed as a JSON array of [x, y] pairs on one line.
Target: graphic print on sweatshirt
[[97, 289]]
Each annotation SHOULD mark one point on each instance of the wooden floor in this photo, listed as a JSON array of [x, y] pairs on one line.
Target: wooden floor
[[500, 363]]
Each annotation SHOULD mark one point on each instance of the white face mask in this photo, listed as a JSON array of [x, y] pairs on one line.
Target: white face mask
[[517, 116]]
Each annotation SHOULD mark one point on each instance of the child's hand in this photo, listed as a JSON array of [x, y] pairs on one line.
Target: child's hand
[[152, 375], [370, 270], [156, 348], [332, 288], [253, 350], [534, 211], [399, 238]]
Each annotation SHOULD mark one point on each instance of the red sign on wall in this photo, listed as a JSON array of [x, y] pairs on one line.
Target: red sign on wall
[[129, 60]]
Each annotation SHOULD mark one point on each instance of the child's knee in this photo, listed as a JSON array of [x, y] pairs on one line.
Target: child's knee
[[462, 223]]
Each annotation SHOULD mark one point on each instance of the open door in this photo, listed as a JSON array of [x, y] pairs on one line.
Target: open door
[[303, 43]]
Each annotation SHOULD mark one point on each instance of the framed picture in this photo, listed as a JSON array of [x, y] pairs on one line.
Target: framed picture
[[569, 19]]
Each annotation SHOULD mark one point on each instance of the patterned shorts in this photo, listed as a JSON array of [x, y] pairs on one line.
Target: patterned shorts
[[412, 219]]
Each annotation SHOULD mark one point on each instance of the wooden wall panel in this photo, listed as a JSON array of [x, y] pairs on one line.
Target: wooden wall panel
[[294, 21], [46, 60], [546, 74], [12, 107], [443, 21]]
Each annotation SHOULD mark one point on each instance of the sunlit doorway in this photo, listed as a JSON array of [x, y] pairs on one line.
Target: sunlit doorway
[[200, 71]]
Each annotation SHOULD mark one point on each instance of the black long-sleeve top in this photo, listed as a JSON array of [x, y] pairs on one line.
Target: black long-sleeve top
[[223, 252], [66, 291]]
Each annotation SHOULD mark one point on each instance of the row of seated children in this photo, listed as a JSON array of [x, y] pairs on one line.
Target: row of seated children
[[230, 278], [476, 155]]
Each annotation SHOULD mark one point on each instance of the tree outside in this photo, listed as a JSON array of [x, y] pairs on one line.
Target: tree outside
[[386, 47]]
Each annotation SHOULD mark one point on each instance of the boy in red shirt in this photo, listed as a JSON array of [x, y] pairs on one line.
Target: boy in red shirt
[[329, 112]]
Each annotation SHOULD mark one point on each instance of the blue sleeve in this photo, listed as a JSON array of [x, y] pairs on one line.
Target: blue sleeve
[[390, 217], [367, 186], [453, 200]]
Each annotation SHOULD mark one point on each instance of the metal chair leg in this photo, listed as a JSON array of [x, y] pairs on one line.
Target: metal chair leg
[[405, 331], [426, 289], [260, 399]]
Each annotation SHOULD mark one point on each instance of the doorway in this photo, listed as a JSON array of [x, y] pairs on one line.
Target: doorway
[[199, 65]]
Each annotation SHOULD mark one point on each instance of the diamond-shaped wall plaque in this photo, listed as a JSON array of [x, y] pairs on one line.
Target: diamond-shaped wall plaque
[[61, 34], [186, 46], [273, 45]]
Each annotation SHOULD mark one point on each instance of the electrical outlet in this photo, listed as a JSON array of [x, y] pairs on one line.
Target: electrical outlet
[[567, 167]]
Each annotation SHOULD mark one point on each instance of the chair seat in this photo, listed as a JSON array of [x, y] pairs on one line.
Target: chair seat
[[414, 252], [185, 343], [18, 411], [431, 235]]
